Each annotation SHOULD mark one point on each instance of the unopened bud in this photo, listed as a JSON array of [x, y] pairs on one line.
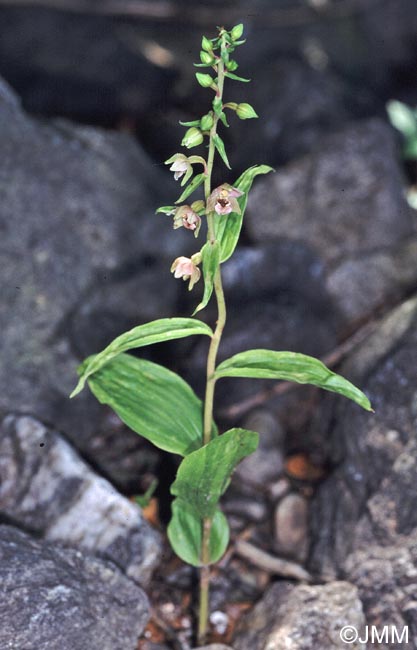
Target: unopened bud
[[232, 65], [245, 111], [198, 206], [206, 44], [236, 32], [204, 79], [206, 58], [193, 137], [206, 122]]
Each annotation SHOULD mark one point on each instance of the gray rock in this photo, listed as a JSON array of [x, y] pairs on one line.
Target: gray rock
[[370, 498], [76, 217], [48, 489], [215, 646], [386, 581], [301, 618], [291, 527], [267, 462], [55, 598], [345, 202]]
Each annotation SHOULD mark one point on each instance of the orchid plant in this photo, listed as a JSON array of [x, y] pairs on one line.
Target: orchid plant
[[157, 403]]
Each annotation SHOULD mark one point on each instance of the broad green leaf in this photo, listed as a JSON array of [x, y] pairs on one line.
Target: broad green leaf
[[228, 226], [191, 187], [157, 331], [185, 534], [219, 144], [290, 366], [211, 259], [204, 475], [152, 400]]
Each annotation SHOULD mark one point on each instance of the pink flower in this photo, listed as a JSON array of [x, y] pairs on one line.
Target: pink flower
[[184, 267], [187, 218], [223, 199]]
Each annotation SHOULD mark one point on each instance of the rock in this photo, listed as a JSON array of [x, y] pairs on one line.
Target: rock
[[266, 463], [215, 646], [76, 218], [386, 581], [345, 203], [370, 497], [302, 618], [47, 489], [92, 73], [291, 527], [57, 598]]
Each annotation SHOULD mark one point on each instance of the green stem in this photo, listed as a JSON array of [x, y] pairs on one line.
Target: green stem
[[210, 380]]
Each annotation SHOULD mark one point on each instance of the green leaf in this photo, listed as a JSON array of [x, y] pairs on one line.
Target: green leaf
[[157, 331], [219, 144], [193, 123], [196, 182], [235, 77], [290, 366], [185, 534], [204, 475], [152, 400], [223, 118], [166, 209], [211, 259], [228, 226]]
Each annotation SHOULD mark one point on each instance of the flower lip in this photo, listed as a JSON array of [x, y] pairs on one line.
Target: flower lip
[[186, 217], [223, 199]]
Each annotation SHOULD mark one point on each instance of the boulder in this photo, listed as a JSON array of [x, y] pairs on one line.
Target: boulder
[[56, 598], [369, 499], [48, 489], [344, 202], [301, 618]]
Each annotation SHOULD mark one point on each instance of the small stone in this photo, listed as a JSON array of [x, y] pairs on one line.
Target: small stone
[[278, 489], [291, 527], [267, 462]]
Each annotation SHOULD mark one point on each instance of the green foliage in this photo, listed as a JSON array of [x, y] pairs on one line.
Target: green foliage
[[185, 533], [191, 187], [210, 255], [152, 401], [157, 331], [291, 366], [202, 479], [228, 226], [219, 144], [204, 475]]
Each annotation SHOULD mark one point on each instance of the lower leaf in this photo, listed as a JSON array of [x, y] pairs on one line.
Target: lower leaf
[[185, 532]]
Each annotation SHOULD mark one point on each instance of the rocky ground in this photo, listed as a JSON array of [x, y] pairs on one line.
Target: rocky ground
[[324, 530]]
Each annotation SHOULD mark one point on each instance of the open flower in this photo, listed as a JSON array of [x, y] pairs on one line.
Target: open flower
[[184, 267], [223, 199], [187, 218], [182, 166]]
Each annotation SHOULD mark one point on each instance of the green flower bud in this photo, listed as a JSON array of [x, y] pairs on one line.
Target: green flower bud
[[204, 80], [232, 65], [236, 32], [245, 111], [206, 122], [206, 44], [193, 137], [206, 58], [198, 206]]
